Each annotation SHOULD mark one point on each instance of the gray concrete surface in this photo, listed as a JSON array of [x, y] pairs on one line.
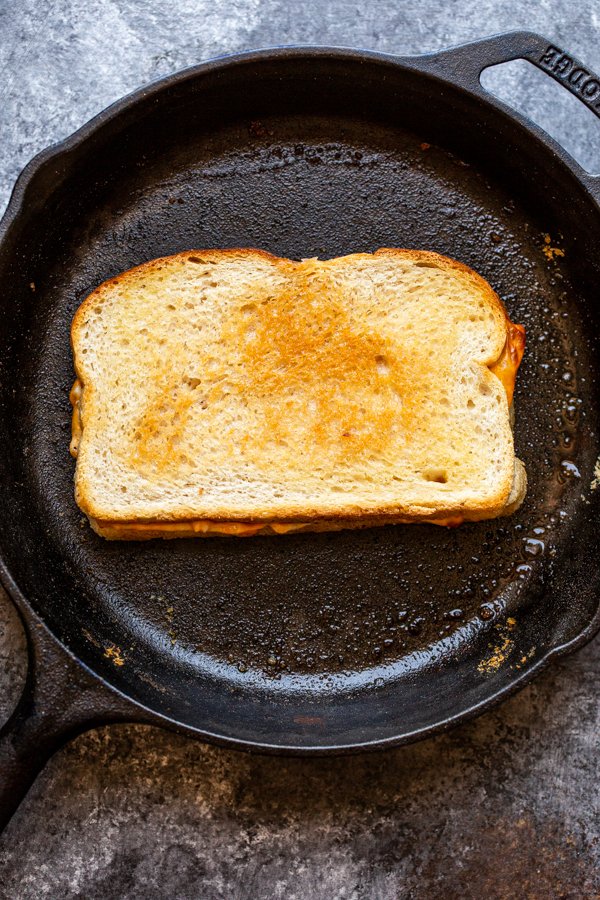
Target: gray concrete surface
[[507, 806]]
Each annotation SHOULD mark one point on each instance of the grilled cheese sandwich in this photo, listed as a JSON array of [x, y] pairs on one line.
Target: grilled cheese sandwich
[[269, 396]]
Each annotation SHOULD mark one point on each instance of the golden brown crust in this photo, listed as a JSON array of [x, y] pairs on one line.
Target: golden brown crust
[[349, 356]]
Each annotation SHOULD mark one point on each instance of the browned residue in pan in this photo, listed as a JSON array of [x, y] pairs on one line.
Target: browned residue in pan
[[500, 651]]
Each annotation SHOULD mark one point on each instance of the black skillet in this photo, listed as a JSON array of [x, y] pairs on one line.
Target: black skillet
[[323, 643]]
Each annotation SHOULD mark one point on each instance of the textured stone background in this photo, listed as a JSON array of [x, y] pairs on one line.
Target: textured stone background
[[504, 807]]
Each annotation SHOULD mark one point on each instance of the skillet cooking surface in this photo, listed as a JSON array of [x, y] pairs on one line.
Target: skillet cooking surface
[[314, 639]]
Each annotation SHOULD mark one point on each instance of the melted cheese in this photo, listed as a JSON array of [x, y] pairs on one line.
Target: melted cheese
[[196, 527], [76, 429], [506, 366], [207, 528], [449, 522]]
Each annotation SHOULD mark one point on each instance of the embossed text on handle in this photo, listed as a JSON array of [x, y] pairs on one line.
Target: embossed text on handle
[[567, 69]]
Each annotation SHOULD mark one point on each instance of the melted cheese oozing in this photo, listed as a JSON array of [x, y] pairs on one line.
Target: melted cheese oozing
[[207, 528], [76, 429], [505, 368], [196, 527]]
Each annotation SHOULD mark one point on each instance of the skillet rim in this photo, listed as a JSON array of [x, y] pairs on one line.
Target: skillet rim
[[425, 65]]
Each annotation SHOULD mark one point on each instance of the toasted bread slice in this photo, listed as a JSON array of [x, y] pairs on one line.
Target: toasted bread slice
[[234, 392]]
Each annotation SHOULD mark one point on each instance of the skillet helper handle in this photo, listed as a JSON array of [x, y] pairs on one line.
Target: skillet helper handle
[[59, 701], [467, 62]]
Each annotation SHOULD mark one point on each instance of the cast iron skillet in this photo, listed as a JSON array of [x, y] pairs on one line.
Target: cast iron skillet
[[323, 643]]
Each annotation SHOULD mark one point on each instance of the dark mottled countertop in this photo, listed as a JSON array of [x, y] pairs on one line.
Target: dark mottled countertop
[[506, 806]]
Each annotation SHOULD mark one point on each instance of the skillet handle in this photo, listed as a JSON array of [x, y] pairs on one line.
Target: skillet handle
[[60, 700], [465, 64]]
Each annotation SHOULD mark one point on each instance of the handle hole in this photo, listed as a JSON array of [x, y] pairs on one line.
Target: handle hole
[[534, 94]]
